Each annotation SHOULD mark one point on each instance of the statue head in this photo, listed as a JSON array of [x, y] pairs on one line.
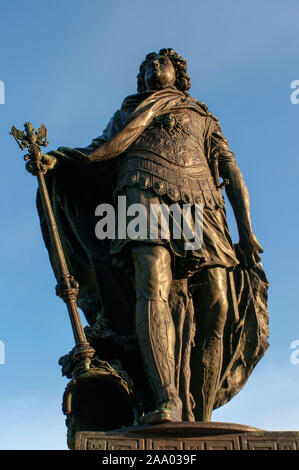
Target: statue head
[[161, 70]]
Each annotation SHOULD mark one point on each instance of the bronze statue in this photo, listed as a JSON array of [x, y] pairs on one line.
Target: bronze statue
[[176, 331]]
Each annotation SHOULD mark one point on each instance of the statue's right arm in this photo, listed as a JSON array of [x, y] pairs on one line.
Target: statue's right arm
[[78, 156], [56, 158]]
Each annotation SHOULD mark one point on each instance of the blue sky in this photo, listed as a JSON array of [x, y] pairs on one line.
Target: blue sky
[[69, 64]]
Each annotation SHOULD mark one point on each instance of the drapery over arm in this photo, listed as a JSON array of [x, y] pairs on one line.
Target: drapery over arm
[[81, 154]]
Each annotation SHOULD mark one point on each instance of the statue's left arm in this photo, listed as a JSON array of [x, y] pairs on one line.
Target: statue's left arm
[[238, 196]]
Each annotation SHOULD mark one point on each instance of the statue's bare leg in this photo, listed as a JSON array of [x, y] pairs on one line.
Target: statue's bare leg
[[155, 329], [207, 354]]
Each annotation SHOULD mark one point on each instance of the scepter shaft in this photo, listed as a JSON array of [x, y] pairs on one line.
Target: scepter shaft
[[67, 288], [77, 327], [51, 223]]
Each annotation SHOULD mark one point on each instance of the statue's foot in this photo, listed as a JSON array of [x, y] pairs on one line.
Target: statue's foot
[[167, 412]]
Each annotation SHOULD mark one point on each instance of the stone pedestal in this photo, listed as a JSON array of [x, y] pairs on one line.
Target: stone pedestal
[[186, 436]]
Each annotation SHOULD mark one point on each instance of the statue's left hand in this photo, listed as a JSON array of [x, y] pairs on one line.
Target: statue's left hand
[[248, 250]]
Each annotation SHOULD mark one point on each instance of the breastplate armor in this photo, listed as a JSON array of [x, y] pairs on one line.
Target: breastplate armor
[[169, 157], [176, 137]]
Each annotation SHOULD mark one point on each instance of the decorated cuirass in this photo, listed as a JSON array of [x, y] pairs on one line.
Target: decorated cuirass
[[176, 137], [169, 157]]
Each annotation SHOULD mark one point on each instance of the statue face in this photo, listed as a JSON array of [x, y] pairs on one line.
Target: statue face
[[159, 72]]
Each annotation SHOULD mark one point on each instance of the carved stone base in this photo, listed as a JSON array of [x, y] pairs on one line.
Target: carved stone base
[[188, 436]]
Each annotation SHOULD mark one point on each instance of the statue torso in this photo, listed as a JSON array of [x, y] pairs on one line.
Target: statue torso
[[169, 156]]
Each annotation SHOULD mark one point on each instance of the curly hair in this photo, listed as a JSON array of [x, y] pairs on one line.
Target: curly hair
[[182, 83]]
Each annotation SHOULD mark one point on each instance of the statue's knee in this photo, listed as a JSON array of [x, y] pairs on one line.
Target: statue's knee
[[219, 314], [213, 317], [152, 271], [218, 302]]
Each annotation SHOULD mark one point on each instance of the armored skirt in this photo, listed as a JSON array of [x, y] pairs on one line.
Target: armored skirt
[[197, 236]]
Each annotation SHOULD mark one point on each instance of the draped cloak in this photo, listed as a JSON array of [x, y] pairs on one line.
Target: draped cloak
[[107, 297]]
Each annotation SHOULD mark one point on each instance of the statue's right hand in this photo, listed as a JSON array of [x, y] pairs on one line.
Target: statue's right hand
[[45, 163]]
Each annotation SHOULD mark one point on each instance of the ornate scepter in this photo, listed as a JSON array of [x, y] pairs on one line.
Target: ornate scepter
[[67, 288]]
